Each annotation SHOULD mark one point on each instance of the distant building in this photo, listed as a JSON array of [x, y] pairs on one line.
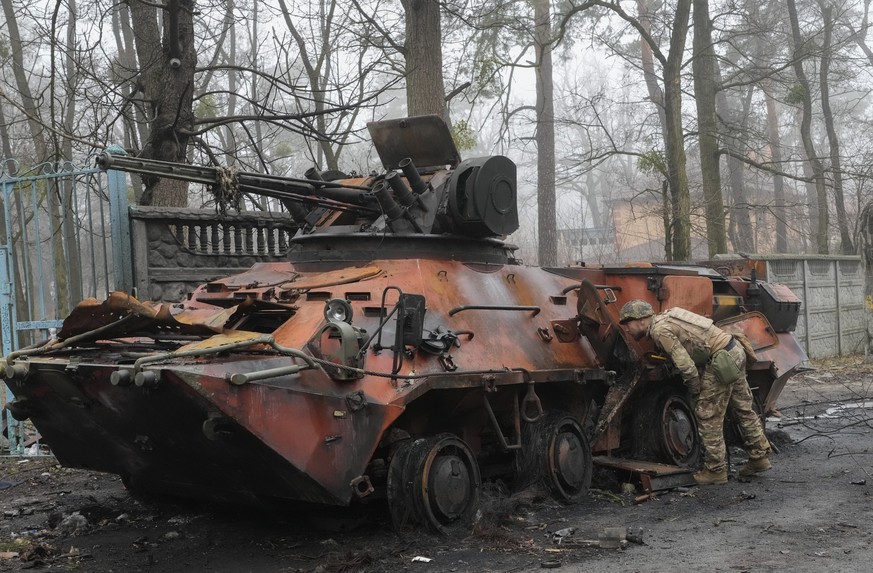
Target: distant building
[[636, 233]]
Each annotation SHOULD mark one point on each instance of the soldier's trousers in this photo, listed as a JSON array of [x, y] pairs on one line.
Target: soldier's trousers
[[712, 404]]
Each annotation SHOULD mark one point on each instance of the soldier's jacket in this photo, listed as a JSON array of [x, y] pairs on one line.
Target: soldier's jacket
[[689, 339]]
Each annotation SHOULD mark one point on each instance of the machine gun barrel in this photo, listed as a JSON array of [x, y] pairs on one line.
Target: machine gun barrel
[[290, 188]]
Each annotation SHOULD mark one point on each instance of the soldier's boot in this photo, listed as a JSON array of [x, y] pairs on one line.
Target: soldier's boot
[[708, 477], [757, 466]]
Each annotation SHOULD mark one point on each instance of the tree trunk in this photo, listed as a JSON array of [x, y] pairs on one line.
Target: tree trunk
[[668, 225], [846, 245], [545, 136], [425, 90], [866, 241], [28, 103], [805, 124], [5, 145], [704, 68], [73, 290], [675, 144], [775, 142], [590, 196], [232, 83], [860, 35], [135, 129], [740, 221], [809, 187], [656, 95], [167, 83]]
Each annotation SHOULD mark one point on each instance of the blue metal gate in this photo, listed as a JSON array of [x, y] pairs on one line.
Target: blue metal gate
[[64, 238]]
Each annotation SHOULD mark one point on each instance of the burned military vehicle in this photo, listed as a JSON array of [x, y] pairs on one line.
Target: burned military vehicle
[[401, 354]]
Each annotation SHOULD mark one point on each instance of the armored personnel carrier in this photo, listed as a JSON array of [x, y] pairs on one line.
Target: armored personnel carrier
[[401, 354]]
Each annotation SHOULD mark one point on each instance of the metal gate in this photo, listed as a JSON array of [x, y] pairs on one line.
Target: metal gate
[[63, 238]]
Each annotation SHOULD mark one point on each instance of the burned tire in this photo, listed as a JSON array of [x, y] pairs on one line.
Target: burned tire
[[555, 453], [434, 482], [665, 428]]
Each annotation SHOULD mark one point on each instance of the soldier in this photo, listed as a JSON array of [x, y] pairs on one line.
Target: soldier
[[713, 366]]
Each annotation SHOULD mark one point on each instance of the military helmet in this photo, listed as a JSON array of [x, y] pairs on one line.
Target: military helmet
[[635, 309]]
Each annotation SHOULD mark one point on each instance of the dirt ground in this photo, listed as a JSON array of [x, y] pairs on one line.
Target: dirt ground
[[812, 512]]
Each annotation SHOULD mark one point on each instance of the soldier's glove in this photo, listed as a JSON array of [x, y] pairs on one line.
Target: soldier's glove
[[693, 385]]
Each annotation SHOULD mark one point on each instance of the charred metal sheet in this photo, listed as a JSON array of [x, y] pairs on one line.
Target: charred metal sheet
[[333, 278], [185, 318], [261, 275]]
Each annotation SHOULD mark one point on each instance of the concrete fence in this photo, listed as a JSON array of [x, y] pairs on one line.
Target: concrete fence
[[832, 316], [175, 250]]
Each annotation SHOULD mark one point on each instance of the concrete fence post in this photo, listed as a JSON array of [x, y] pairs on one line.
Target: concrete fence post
[[119, 219]]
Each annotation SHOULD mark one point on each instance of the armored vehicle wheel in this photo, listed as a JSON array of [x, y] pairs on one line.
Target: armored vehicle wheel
[[665, 428], [555, 452], [399, 504], [434, 482]]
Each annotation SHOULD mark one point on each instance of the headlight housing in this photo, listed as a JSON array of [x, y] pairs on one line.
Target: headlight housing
[[338, 310]]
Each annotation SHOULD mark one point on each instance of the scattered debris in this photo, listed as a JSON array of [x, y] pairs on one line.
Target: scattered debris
[[645, 497], [140, 544], [635, 535], [612, 537], [558, 536], [182, 519], [37, 553], [607, 538], [72, 524], [170, 535], [9, 484], [859, 482]]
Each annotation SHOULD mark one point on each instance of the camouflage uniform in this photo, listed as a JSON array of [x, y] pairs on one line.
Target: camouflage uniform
[[690, 340]]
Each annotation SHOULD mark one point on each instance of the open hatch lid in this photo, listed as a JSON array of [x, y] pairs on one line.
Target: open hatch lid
[[425, 139]]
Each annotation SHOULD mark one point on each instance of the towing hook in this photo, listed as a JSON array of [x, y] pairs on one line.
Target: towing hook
[[531, 400]]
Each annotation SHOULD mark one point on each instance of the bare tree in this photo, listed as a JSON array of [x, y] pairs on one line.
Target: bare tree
[[846, 245], [28, 102], [706, 76], [803, 93], [776, 157], [545, 135]]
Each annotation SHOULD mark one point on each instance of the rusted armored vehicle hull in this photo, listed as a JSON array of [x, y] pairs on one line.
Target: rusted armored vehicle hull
[[401, 354]]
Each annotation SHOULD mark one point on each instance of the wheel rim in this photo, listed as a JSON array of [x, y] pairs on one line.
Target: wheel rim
[[679, 430], [446, 488], [449, 487], [569, 460]]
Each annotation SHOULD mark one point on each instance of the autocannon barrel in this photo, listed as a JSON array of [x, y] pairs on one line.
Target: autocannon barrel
[[247, 182]]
